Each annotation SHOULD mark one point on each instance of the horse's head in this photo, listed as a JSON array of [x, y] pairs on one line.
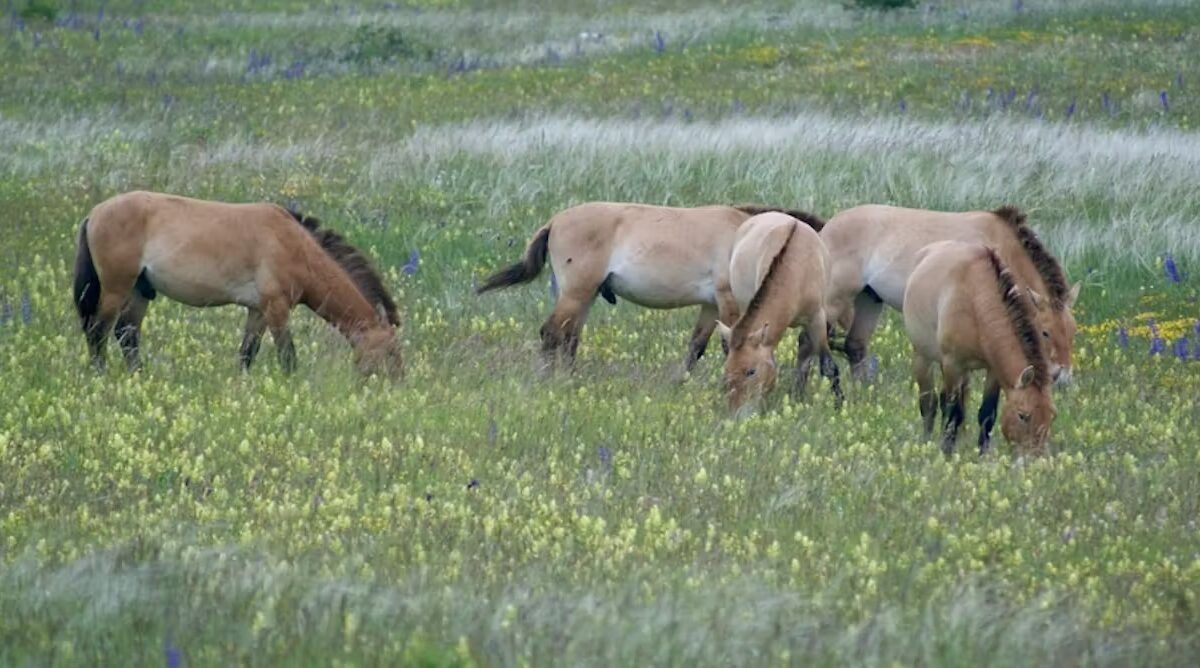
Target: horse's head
[[377, 350], [1057, 328], [749, 368], [1028, 414]]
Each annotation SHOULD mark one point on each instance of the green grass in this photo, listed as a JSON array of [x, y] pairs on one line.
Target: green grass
[[477, 514]]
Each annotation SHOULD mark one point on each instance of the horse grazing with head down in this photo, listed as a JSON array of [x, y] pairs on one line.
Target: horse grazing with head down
[[875, 250], [779, 271], [261, 256], [963, 311], [655, 256]]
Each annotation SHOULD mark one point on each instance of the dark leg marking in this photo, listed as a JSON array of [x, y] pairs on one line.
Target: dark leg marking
[[829, 369], [987, 418]]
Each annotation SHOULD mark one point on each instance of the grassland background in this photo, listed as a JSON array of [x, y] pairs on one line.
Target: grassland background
[[479, 514]]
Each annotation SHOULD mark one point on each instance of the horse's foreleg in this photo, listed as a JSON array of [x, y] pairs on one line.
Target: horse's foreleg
[[987, 412], [256, 324], [276, 314], [867, 310], [727, 312], [927, 399], [701, 333], [818, 336], [954, 390], [129, 329]]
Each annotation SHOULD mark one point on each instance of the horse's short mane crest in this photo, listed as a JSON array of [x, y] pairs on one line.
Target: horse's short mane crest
[[1047, 267], [814, 221], [743, 327], [1021, 314], [353, 262]]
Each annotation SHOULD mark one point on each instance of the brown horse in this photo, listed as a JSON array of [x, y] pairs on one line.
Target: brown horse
[[964, 311], [655, 256], [874, 250], [779, 271], [201, 253]]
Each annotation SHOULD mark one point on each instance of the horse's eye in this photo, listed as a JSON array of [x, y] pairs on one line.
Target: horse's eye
[[1045, 334], [751, 371], [1023, 417]]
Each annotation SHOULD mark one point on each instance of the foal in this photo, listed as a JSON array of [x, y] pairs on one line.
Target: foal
[[964, 311], [779, 271], [655, 256], [138, 244]]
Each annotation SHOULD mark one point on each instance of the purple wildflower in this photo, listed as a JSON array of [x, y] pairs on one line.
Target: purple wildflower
[[295, 70], [873, 367], [1171, 269], [1106, 102], [1181, 348], [473, 484], [605, 455], [410, 267], [1018, 6], [1157, 344], [1071, 109], [174, 657], [660, 43], [1122, 336], [903, 106], [26, 308], [6, 314], [1162, 97]]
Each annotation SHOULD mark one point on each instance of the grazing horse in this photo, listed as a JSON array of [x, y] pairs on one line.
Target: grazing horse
[[261, 256], [963, 311], [656, 256], [874, 250], [779, 271]]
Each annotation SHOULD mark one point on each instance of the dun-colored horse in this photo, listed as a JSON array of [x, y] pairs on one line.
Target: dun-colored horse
[[655, 256], [874, 250], [963, 311], [779, 271], [201, 253]]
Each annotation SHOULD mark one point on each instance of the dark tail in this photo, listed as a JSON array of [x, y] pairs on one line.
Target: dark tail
[[814, 221], [524, 271], [87, 281]]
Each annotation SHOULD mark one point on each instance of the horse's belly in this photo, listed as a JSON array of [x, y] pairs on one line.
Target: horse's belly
[[198, 289], [654, 290]]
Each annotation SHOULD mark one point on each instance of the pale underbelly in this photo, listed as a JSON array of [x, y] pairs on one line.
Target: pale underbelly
[[197, 289]]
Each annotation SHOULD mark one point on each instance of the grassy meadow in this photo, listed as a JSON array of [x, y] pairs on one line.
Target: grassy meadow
[[477, 514]]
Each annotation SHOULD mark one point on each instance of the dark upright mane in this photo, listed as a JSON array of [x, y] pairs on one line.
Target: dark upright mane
[[813, 220], [740, 330], [350, 259], [1021, 314], [1047, 267]]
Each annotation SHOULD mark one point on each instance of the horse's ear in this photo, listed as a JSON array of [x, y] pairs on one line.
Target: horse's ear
[[1026, 377], [725, 331], [1034, 297], [1074, 294], [761, 335]]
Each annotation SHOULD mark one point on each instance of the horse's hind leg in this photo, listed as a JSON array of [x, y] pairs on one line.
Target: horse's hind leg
[[562, 330], [256, 324], [276, 313], [818, 334], [129, 329], [987, 412], [114, 294], [701, 333], [867, 310]]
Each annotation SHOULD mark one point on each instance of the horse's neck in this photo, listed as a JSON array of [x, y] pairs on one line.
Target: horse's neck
[[330, 292], [998, 343], [1020, 264], [777, 310]]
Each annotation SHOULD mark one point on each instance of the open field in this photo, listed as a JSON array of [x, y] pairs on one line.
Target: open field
[[477, 514]]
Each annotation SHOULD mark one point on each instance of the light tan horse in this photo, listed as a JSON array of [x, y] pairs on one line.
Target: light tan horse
[[261, 256], [655, 256], [874, 250], [964, 311], [779, 270]]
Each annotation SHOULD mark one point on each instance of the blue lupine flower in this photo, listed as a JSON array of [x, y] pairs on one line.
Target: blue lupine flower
[[174, 657], [410, 267], [6, 314], [1157, 345], [26, 308], [605, 455], [1171, 269], [295, 70], [660, 44], [1122, 336], [903, 106], [1181, 348], [1071, 109], [473, 484], [1162, 97]]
